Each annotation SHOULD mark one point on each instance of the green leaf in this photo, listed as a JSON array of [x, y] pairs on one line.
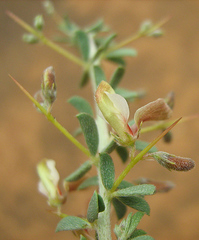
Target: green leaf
[[130, 95], [96, 205], [72, 223], [83, 44], [107, 170], [90, 132], [125, 184], [117, 77], [137, 203], [111, 146], [136, 233], [117, 60], [122, 52], [144, 237], [99, 75], [80, 172], [92, 212], [140, 145], [81, 104], [92, 181], [107, 41], [96, 27], [84, 79], [123, 153], [101, 206], [143, 189], [134, 221], [120, 208]]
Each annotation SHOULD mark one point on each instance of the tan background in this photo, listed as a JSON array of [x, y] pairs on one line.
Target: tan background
[[170, 63]]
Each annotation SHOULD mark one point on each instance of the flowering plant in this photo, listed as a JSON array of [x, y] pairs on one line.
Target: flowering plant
[[111, 112]]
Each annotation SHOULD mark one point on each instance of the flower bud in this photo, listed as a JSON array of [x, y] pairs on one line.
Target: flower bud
[[30, 38], [48, 6], [48, 184], [48, 85], [153, 111], [115, 110], [145, 27], [157, 33], [38, 22], [172, 162]]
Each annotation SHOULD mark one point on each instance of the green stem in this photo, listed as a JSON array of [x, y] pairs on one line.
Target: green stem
[[140, 155], [53, 120], [137, 36], [46, 41]]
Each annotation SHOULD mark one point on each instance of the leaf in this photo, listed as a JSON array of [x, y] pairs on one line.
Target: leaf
[[136, 233], [117, 60], [137, 203], [101, 206], [92, 181], [107, 41], [90, 132], [99, 75], [117, 76], [144, 237], [110, 147], [130, 95], [122, 52], [107, 170], [96, 205], [143, 189], [96, 27], [84, 79], [123, 153], [81, 104], [125, 184], [72, 223], [120, 208], [92, 212], [80, 172], [140, 145], [83, 44], [135, 219]]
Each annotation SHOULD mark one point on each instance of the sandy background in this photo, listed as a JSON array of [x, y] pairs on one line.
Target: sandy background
[[169, 63]]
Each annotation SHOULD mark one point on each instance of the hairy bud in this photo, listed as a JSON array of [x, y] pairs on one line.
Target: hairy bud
[[38, 22], [172, 162], [48, 85]]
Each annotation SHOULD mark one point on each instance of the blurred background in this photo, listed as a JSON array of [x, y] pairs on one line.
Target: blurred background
[[26, 137]]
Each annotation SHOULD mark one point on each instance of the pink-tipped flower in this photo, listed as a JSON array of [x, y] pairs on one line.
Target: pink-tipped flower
[[48, 184], [115, 110], [153, 111], [172, 162]]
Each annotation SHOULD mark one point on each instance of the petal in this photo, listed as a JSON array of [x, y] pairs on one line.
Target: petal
[[120, 104], [54, 175]]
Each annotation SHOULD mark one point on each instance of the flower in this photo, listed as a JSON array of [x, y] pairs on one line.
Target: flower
[[48, 184], [115, 110]]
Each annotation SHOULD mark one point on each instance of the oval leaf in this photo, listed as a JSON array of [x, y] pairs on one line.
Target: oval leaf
[[144, 237], [83, 44], [81, 104], [92, 181], [92, 212], [120, 208], [90, 132], [80, 172], [107, 170], [122, 52], [143, 189], [137, 203], [72, 223], [99, 75], [117, 76], [123, 153]]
